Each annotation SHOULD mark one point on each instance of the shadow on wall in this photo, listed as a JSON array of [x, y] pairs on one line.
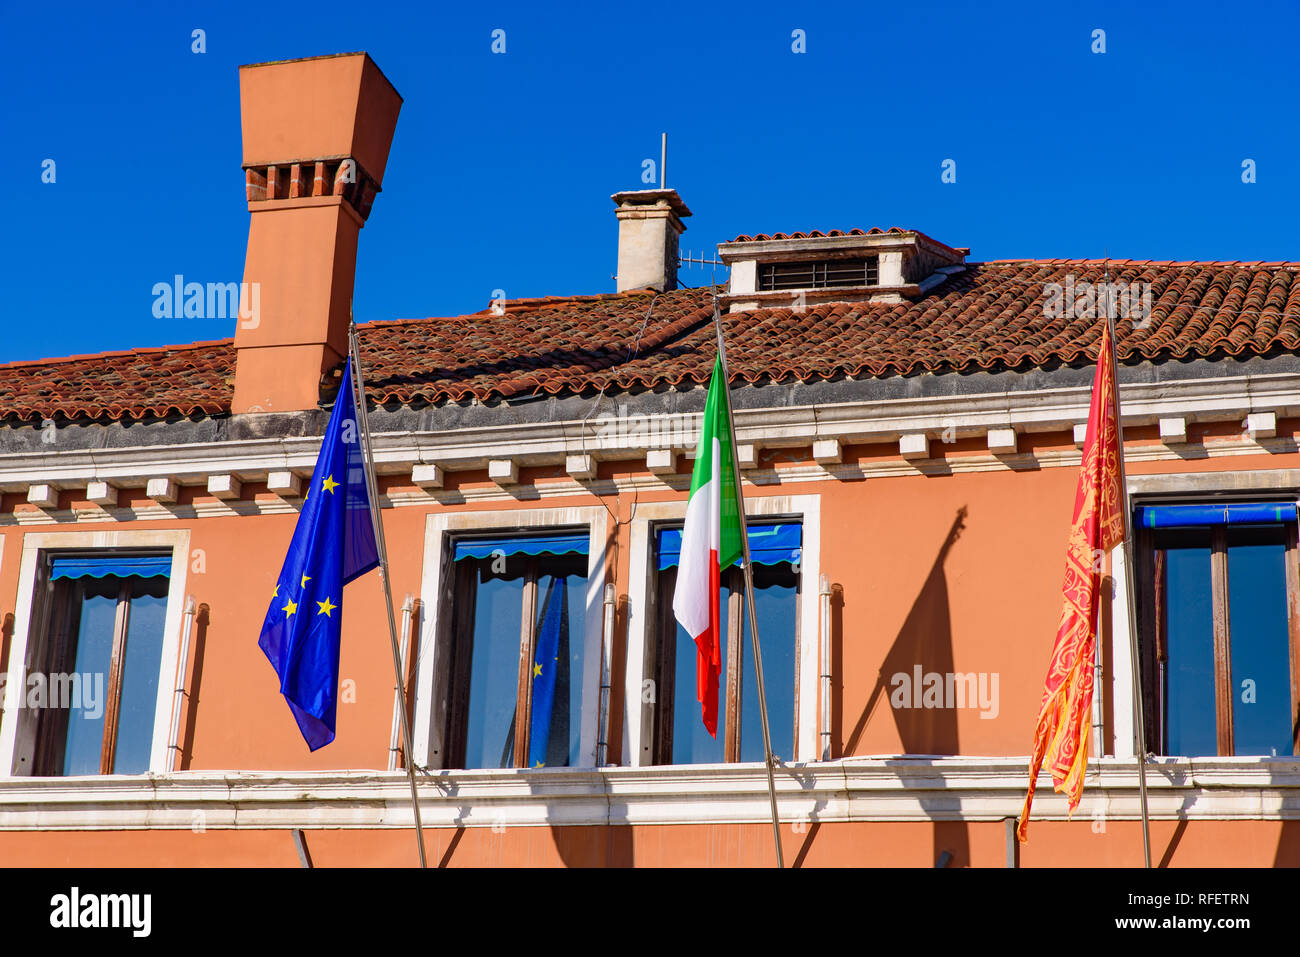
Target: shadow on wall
[[607, 846], [450, 852], [1174, 840], [577, 846], [6, 638], [924, 640], [1287, 853], [201, 619]]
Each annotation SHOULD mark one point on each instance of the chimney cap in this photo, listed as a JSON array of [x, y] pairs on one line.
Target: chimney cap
[[652, 197], [318, 108], [324, 56]]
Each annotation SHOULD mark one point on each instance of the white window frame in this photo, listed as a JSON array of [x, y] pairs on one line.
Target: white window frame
[[1122, 737], [434, 650], [178, 540], [1153, 489], [637, 738]]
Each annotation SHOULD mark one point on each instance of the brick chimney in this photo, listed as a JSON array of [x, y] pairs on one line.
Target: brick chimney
[[649, 222], [316, 138]]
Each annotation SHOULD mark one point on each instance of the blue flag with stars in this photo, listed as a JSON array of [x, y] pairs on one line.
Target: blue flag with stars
[[333, 543]]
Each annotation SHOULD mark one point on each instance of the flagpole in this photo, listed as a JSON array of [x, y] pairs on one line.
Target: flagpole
[[359, 393], [749, 591], [1139, 721]]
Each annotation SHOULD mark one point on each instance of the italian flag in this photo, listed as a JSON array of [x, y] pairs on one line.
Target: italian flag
[[710, 543]]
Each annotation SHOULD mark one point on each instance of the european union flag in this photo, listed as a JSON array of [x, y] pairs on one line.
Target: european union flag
[[333, 543]]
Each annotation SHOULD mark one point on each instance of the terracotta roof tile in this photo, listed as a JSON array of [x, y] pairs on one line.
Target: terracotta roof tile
[[820, 234], [989, 317], [184, 380]]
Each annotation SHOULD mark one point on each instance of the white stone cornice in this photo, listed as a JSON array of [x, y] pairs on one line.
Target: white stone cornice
[[1173, 431], [1002, 441], [914, 445], [580, 467], [1261, 425], [43, 495], [134, 466], [776, 476], [162, 490], [224, 486], [827, 452], [286, 483], [661, 461], [101, 493], [504, 471], [631, 437], [427, 476], [886, 788]]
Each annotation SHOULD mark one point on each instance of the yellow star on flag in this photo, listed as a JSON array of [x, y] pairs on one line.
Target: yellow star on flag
[[305, 580], [329, 484], [289, 608], [325, 607], [537, 671]]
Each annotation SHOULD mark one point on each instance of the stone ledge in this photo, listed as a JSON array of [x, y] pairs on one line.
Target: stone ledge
[[887, 788]]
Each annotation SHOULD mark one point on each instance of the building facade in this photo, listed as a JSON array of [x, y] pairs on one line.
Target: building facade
[[909, 425]]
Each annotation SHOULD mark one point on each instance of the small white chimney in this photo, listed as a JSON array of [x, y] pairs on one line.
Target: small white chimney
[[649, 222]]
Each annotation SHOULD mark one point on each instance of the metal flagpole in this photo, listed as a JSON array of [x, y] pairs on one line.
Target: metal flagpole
[[749, 592], [359, 396], [1130, 598]]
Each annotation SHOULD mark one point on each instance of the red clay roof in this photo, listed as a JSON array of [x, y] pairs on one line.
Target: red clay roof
[[140, 383], [989, 317]]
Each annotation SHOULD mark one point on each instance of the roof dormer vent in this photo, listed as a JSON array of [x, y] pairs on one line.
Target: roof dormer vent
[[806, 268]]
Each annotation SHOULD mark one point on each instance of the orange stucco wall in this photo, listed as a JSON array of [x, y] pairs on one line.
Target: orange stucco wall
[[957, 573], [904, 844]]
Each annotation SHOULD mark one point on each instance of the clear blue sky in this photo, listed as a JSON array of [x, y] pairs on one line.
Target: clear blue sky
[[1060, 152]]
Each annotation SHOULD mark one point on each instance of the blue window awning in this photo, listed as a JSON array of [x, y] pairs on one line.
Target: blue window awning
[[104, 566], [569, 543], [1229, 513], [768, 544]]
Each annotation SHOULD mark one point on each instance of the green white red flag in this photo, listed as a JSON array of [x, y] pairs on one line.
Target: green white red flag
[[710, 543]]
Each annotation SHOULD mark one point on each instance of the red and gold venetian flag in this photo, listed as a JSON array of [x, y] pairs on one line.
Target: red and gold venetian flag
[[1061, 735]]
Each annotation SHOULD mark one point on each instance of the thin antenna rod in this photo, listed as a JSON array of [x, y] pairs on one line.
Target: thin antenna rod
[[663, 160]]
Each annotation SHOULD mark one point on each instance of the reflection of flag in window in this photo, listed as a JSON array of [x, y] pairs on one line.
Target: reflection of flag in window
[[548, 737]]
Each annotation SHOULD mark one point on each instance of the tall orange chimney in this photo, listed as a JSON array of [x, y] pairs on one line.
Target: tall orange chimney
[[316, 138]]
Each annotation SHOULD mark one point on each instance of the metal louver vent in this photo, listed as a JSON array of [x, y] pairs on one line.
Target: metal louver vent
[[818, 274]]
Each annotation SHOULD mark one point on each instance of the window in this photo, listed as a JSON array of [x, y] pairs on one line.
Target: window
[[1220, 634], [518, 607], [93, 688], [679, 733], [818, 274]]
